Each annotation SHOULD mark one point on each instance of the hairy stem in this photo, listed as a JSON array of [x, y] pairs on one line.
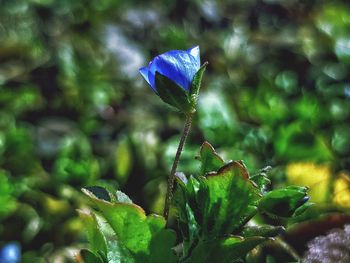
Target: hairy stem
[[171, 179]]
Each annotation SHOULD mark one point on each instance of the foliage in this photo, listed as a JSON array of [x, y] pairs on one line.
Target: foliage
[[75, 112], [128, 235], [214, 209]]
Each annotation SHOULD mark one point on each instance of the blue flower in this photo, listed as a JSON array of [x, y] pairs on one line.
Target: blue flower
[[10, 253], [178, 65], [175, 77]]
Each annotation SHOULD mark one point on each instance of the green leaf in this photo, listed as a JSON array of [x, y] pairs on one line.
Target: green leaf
[[196, 84], [88, 257], [231, 200], [261, 179], [224, 250], [209, 158], [103, 242], [300, 210], [116, 251], [172, 93], [283, 202], [264, 231], [144, 237], [184, 199], [218, 204], [96, 240]]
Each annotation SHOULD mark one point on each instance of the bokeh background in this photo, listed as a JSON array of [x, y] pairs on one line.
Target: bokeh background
[[74, 111]]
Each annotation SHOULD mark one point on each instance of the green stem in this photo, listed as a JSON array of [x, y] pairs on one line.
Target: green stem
[[171, 179], [289, 249]]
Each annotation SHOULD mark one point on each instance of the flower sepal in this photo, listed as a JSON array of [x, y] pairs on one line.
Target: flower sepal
[[173, 94], [196, 85]]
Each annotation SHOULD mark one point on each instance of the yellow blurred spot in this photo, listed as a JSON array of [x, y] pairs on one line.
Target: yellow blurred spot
[[316, 177], [123, 161], [342, 190], [55, 206]]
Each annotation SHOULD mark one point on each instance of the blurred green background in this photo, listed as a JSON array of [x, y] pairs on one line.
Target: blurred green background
[[74, 111]]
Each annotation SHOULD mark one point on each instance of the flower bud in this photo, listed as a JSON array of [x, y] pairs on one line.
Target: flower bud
[[175, 77]]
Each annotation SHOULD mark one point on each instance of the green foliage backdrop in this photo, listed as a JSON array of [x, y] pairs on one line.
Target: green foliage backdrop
[[74, 111]]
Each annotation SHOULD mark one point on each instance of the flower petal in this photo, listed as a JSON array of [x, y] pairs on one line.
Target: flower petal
[[195, 52], [145, 74], [177, 65]]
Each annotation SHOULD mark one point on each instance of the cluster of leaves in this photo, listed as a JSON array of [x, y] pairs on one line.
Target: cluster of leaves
[[72, 103], [213, 211], [50, 104], [121, 231]]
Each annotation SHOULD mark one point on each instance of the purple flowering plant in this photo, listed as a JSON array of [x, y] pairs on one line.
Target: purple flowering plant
[[213, 206], [178, 65], [175, 77]]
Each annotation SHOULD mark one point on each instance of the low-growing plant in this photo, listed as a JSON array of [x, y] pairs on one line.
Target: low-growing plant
[[215, 208]]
